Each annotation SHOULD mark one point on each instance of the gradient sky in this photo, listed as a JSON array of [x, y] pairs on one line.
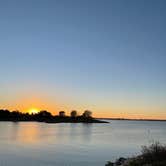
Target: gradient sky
[[108, 56]]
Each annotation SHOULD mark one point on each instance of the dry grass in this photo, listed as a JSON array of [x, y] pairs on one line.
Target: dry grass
[[154, 155]]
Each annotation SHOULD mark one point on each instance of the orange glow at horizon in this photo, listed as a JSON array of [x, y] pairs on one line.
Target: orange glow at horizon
[[98, 113], [35, 101]]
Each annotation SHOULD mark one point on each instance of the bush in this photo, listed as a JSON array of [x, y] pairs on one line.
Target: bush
[[153, 155]]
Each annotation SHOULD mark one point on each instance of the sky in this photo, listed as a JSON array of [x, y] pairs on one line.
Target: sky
[[108, 56]]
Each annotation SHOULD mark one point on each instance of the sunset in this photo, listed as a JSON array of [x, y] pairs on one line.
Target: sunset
[[33, 111], [83, 82], [111, 61]]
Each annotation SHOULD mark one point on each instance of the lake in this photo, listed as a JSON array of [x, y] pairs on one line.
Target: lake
[[42, 144]]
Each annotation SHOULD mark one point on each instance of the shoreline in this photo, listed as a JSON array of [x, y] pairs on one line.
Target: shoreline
[[153, 155], [161, 120], [47, 117], [56, 121]]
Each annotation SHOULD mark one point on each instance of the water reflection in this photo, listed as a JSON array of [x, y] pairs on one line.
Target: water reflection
[[14, 130], [81, 132], [36, 133], [87, 131], [26, 133], [73, 144]]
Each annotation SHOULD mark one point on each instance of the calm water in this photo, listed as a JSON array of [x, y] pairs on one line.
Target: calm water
[[40, 144]]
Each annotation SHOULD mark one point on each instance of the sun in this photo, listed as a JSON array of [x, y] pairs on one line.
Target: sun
[[33, 111]]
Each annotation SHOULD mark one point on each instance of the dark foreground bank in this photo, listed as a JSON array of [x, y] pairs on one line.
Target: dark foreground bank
[[154, 155], [47, 117]]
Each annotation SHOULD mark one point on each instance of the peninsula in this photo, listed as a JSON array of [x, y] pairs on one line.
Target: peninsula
[[47, 117]]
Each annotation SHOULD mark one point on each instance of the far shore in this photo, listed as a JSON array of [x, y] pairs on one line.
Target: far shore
[[132, 119]]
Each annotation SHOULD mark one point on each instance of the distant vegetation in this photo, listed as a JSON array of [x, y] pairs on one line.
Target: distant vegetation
[[154, 155], [45, 116]]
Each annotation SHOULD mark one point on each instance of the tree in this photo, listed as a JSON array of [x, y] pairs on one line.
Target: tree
[[87, 114], [62, 113], [44, 113], [73, 113]]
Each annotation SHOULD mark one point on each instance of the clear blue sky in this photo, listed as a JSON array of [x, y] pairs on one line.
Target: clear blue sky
[[104, 55]]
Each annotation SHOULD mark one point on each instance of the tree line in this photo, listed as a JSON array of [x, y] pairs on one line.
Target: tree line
[[45, 116]]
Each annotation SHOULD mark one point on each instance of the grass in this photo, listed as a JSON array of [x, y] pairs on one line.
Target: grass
[[153, 155]]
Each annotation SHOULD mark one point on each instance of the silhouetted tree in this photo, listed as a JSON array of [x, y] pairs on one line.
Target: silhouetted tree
[[62, 113], [42, 116], [16, 114], [87, 114], [4, 114], [44, 113], [45, 116], [73, 114]]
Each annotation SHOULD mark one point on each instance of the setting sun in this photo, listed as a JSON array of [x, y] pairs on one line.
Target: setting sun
[[33, 111]]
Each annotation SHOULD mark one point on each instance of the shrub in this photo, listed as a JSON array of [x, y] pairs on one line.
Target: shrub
[[153, 155]]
